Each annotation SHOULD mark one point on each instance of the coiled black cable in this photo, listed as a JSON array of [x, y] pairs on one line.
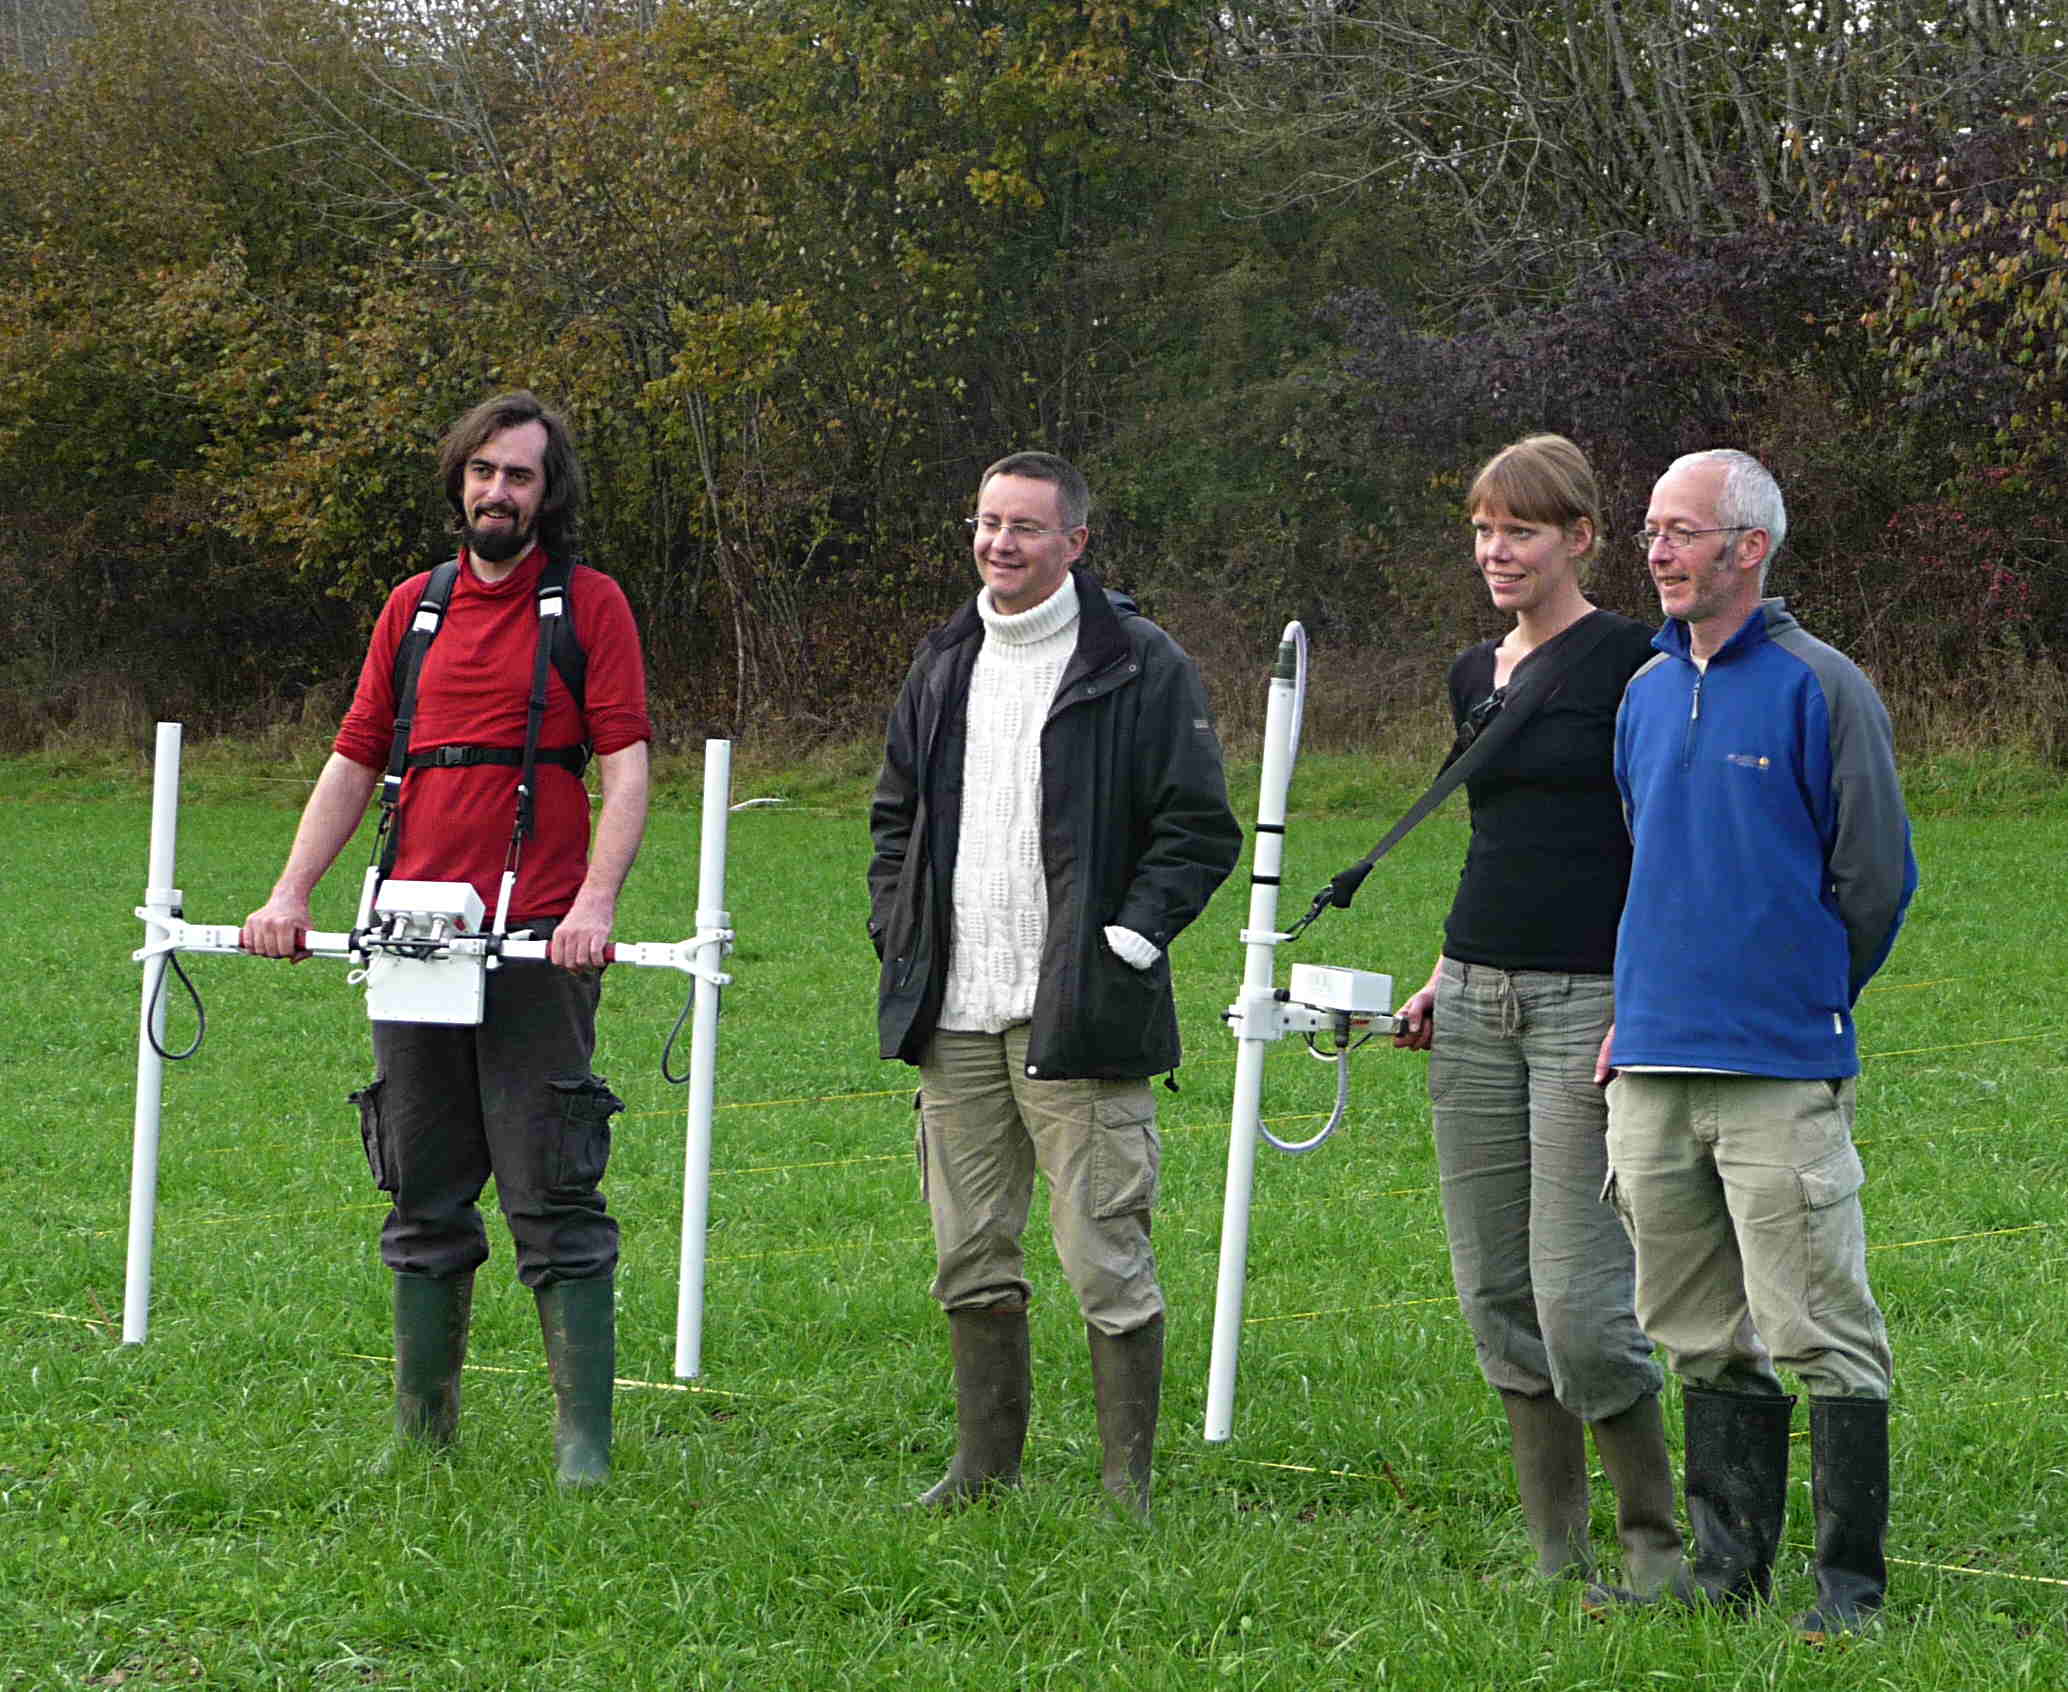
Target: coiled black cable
[[172, 962]]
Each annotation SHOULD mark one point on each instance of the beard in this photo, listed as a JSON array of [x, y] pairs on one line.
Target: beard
[[499, 545]]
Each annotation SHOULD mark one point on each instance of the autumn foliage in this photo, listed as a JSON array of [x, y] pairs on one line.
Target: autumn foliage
[[798, 270]]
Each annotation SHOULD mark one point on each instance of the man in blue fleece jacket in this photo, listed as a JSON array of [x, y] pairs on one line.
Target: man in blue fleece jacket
[[1772, 866]]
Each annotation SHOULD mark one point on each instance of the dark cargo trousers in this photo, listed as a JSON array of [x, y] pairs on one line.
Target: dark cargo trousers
[[514, 1098]]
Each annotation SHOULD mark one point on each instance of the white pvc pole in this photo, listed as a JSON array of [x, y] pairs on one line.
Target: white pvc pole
[[712, 921], [161, 900], [1256, 1028]]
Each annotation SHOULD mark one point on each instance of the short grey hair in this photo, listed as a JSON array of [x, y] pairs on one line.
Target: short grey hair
[[1751, 498], [1073, 495]]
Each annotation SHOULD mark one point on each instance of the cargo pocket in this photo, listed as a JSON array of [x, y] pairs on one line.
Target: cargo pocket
[[585, 1106], [1126, 1160], [1836, 1264], [368, 1099]]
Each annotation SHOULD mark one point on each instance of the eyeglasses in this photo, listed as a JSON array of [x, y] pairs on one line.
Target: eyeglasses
[[1681, 539], [1018, 531]]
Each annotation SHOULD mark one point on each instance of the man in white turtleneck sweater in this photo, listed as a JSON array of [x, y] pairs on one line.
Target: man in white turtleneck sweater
[[1051, 812]]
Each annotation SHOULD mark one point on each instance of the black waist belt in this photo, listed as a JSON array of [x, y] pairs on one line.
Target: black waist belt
[[575, 758]]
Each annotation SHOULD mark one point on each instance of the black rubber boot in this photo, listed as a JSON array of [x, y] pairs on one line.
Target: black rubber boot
[[1549, 1444], [1737, 1490], [431, 1318], [1127, 1382], [994, 1389], [579, 1322], [1632, 1447], [1849, 1485]]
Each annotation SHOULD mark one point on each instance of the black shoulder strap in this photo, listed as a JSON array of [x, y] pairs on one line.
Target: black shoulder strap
[[568, 656], [423, 629], [409, 669], [554, 599], [1539, 683], [558, 645]]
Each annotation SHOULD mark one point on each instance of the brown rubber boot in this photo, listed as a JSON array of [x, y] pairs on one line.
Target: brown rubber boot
[[1550, 1448], [994, 1390], [1632, 1447]]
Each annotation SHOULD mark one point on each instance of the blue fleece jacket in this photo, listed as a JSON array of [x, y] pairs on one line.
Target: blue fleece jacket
[[1772, 861]]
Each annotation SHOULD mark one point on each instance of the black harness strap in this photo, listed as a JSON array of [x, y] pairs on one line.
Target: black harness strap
[[575, 758], [556, 648]]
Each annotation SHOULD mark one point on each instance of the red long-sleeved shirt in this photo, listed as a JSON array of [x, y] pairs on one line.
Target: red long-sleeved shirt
[[476, 679]]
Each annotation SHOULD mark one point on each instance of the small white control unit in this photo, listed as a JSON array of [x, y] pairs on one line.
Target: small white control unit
[[1348, 992], [412, 975]]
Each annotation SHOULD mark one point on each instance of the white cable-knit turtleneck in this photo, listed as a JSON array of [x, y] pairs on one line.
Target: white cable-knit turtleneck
[[1001, 893]]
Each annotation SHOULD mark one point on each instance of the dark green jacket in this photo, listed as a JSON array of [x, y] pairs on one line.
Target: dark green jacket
[[1135, 831]]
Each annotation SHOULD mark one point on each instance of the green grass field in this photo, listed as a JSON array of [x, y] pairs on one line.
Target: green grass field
[[204, 1510]]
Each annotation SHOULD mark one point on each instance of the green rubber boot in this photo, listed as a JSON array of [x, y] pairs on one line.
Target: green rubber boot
[[431, 1318], [579, 1322], [994, 1391], [1127, 1381]]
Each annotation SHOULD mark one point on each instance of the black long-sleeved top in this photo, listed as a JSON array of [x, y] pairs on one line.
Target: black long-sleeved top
[[1544, 878]]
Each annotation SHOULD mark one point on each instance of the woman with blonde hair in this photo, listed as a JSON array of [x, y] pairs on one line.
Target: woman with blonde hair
[[1513, 1015]]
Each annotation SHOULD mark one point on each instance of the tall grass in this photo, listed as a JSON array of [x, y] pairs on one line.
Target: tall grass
[[205, 1509]]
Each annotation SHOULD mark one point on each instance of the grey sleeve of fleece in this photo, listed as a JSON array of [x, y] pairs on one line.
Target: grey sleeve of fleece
[[1873, 869]]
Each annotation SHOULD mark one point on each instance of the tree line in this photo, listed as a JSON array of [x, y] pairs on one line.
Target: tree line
[[1276, 275]]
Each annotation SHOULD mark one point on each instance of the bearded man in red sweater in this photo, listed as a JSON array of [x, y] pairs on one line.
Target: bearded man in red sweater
[[514, 1096]]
